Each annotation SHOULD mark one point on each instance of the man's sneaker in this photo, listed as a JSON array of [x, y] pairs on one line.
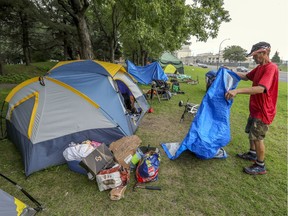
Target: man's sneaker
[[248, 156], [255, 169]]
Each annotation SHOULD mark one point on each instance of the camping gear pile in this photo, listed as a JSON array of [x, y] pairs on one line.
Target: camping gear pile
[[77, 151], [110, 166], [163, 89], [159, 88], [46, 114]]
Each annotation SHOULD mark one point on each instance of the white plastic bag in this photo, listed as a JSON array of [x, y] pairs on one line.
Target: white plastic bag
[[77, 152]]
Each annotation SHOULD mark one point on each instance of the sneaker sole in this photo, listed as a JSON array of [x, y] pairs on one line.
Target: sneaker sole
[[252, 173]]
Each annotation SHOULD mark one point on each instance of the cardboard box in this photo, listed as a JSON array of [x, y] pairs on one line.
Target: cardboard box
[[100, 158], [124, 148]]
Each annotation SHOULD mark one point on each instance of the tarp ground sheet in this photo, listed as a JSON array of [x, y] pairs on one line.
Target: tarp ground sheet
[[210, 129]]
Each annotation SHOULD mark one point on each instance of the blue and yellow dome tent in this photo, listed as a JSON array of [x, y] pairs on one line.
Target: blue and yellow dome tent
[[76, 101], [10, 205]]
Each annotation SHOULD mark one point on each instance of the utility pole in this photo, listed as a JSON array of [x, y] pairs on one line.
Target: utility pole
[[220, 51]]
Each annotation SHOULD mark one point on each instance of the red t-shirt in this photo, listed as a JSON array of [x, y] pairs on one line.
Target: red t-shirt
[[263, 106]]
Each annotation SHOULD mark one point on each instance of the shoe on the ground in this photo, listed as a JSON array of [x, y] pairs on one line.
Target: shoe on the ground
[[221, 154], [247, 156], [255, 169]]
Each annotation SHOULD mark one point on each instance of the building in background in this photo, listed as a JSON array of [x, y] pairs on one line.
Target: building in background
[[184, 54], [212, 59]]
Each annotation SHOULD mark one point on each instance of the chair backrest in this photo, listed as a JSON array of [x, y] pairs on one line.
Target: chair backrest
[[161, 84]]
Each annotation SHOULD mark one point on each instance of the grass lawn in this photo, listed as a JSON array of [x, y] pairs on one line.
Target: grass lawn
[[190, 186]]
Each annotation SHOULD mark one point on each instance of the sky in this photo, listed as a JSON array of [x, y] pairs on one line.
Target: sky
[[252, 21]]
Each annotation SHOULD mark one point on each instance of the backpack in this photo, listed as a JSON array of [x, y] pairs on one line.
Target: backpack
[[175, 86], [148, 168]]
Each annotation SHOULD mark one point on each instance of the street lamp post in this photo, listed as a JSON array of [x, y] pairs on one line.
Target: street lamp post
[[220, 51]]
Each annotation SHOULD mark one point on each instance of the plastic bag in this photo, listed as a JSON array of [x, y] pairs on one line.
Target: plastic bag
[[112, 178], [148, 168]]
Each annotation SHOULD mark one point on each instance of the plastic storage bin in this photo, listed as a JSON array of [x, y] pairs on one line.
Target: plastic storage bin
[[75, 167]]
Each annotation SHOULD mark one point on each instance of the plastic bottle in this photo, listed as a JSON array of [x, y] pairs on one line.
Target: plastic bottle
[[136, 158]]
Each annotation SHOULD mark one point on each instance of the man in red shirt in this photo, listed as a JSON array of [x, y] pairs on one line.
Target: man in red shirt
[[262, 106]]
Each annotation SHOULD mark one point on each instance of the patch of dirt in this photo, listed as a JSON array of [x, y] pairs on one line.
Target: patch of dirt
[[163, 128]]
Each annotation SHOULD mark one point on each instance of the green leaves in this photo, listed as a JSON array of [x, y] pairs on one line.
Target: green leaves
[[135, 27], [276, 58], [234, 53]]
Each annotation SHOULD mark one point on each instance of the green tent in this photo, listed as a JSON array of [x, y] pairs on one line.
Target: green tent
[[167, 58]]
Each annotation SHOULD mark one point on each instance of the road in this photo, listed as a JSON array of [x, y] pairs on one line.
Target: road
[[283, 76]]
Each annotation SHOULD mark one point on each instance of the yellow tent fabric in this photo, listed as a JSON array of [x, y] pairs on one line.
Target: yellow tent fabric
[[170, 69], [110, 67], [10, 205], [20, 206]]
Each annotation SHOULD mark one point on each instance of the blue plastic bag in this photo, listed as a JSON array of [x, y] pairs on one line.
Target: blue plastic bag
[[148, 168]]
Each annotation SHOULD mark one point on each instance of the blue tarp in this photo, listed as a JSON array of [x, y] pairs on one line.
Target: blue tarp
[[210, 129], [146, 74]]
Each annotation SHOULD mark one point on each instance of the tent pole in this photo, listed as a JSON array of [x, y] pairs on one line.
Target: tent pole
[[39, 206]]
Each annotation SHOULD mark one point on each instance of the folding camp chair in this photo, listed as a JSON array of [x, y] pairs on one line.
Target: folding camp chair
[[162, 88], [188, 108]]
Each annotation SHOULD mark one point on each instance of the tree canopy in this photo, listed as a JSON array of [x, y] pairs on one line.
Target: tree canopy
[[34, 30], [234, 53], [276, 58]]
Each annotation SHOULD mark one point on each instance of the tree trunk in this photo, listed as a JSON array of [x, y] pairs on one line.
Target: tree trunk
[[65, 48], [145, 58], [25, 38], [77, 8], [1, 69], [86, 51], [143, 55], [112, 51], [68, 52]]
